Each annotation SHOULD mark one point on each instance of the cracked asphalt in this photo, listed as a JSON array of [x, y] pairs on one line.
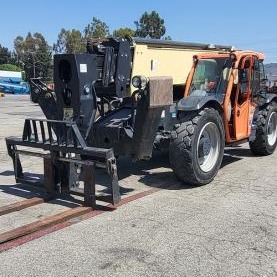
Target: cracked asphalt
[[226, 228]]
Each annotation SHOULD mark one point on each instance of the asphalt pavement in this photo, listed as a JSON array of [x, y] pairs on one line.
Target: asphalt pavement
[[225, 228]]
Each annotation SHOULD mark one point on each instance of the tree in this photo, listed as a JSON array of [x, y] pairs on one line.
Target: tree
[[150, 24], [96, 29], [167, 38], [34, 55], [69, 41], [43, 61], [123, 32], [5, 55]]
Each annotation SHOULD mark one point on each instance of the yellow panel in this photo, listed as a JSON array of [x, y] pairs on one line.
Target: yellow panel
[[151, 61]]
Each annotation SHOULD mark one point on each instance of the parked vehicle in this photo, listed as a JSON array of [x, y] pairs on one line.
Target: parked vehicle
[[12, 82]]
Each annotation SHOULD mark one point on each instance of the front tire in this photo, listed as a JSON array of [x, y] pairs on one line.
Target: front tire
[[197, 147], [266, 132]]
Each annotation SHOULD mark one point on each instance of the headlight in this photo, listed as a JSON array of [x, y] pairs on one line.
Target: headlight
[[136, 81], [139, 81]]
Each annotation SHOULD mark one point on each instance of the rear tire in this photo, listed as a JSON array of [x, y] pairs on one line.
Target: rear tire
[[266, 132], [197, 147]]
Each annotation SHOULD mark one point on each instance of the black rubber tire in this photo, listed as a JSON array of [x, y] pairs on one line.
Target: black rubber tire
[[260, 145], [183, 147]]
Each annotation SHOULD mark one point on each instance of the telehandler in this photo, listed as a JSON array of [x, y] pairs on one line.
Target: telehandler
[[128, 96], [226, 102]]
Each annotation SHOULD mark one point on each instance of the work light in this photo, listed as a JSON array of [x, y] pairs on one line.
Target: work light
[[139, 81]]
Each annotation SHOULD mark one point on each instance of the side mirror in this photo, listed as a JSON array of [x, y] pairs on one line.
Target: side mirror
[[265, 85]]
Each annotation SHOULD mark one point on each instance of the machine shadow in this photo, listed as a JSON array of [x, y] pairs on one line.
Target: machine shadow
[[239, 152], [26, 191], [235, 154], [155, 173], [36, 189]]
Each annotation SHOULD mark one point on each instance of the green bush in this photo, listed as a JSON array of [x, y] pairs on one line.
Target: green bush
[[10, 67]]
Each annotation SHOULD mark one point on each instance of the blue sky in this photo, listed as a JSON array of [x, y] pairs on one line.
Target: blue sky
[[245, 24]]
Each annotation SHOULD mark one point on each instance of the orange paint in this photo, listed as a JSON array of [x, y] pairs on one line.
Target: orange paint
[[239, 94]]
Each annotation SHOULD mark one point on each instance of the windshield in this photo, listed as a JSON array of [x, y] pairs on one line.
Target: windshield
[[210, 76]]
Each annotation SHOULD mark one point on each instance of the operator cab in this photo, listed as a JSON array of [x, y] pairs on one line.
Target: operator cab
[[209, 77], [230, 82]]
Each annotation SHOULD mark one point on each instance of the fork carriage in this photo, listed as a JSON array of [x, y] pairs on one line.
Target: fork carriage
[[67, 159]]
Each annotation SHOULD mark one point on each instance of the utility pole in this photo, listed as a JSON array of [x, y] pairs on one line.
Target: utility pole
[[34, 66], [34, 63]]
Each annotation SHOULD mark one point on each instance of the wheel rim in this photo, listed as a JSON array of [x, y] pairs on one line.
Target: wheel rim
[[272, 129], [208, 147]]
